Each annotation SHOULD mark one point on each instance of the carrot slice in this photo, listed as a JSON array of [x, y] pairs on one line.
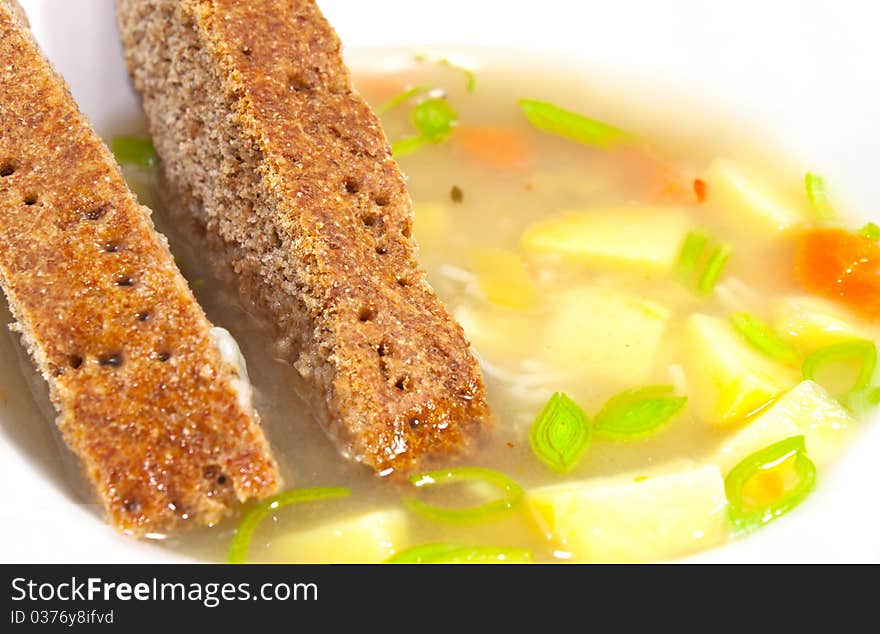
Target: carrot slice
[[506, 148], [840, 265]]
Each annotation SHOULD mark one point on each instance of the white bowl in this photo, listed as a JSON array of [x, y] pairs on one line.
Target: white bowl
[[804, 70]]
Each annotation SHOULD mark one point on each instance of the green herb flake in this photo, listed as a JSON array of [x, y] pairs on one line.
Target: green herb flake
[[701, 261], [560, 434], [690, 256], [407, 145], [870, 231], [435, 119], [135, 151], [403, 97], [637, 413], [761, 337], [714, 267], [549, 118], [818, 197], [442, 553], [747, 513], [241, 541], [511, 494]]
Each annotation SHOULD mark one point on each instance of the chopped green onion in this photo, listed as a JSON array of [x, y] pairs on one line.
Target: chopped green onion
[[434, 119], [454, 554], [691, 253], [134, 150], [714, 266], [870, 231], [555, 120], [407, 145], [471, 78], [862, 351], [241, 541], [818, 197], [402, 97], [747, 514], [697, 268], [638, 412], [761, 337], [560, 434], [512, 494]]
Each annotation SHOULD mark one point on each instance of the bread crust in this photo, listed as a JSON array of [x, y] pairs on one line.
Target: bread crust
[[143, 397], [281, 164]]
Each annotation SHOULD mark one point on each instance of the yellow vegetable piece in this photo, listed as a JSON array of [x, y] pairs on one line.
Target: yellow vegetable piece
[[810, 323], [806, 410], [727, 379], [431, 222], [605, 334], [498, 332], [747, 204], [633, 518], [642, 238], [368, 538], [503, 278]]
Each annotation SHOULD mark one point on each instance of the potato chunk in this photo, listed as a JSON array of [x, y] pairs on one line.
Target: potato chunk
[[605, 334], [634, 518], [746, 204], [810, 323], [728, 380], [641, 238], [806, 410], [368, 538]]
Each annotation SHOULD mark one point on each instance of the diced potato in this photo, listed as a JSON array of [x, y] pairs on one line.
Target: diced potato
[[631, 518], [431, 222], [368, 538], [503, 278], [633, 237], [605, 334], [810, 323], [807, 409], [498, 332], [727, 379], [745, 203]]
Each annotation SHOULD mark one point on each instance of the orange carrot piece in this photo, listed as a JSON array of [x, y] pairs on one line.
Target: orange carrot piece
[[842, 266], [700, 189], [506, 148]]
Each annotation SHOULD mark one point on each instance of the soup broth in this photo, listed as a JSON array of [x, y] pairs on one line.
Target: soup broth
[[565, 263]]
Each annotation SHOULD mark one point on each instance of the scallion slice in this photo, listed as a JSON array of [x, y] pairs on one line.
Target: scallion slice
[[403, 97], [442, 553], [818, 197], [690, 256], [637, 413], [135, 151], [512, 494], [407, 145], [553, 119], [769, 483], [761, 337], [241, 541], [470, 77], [714, 267], [560, 434], [434, 119], [863, 352], [698, 266], [870, 231]]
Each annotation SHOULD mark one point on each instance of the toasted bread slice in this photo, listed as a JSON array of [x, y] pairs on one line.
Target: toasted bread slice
[[143, 395], [284, 168]]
